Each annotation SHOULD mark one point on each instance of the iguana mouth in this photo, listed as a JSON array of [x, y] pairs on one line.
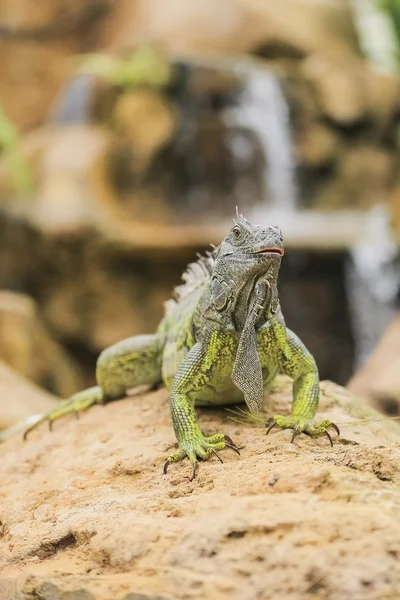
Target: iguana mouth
[[270, 251]]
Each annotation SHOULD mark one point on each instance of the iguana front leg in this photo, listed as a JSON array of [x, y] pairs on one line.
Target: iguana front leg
[[196, 371], [297, 362]]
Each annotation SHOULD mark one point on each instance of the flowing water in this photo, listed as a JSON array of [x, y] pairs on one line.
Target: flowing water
[[262, 109], [74, 103], [373, 283]]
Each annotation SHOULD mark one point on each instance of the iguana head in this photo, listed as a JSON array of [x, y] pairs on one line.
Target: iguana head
[[246, 264], [247, 239]]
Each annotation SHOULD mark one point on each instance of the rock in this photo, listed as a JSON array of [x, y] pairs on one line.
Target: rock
[[64, 199], [60, 160], [382, 94], [378, 381], [349, 91], [20, 398], [23, 65], [87, 513], [144, 123], [26, 18], [395, 207], [234, 26], [27, 346], [317, 146], [363, 178], [365, 173], [182, 27], [37, 43], [338, 90]]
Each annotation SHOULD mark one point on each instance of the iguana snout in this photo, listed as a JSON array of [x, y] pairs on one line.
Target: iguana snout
[[268, 240]]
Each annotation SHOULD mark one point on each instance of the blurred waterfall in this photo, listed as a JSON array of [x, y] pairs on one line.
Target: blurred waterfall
[[373, 283], [74, 103], [263, 109]]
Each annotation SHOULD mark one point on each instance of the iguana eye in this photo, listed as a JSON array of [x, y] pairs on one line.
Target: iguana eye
[[236, 231]]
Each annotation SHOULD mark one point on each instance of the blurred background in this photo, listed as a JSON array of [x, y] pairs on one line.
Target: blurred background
[[131, 129]]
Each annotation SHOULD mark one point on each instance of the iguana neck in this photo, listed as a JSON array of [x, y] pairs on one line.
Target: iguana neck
[[259, 295], [231, 298]]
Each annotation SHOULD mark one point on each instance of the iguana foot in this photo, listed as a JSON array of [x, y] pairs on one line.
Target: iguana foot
[[200, 447], [76, 404], [302, 426]]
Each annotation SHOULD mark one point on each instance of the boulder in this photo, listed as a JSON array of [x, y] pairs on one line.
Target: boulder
[[28, 347], [234, 25], [339, 91], [37, 42], [20, 398], [144, 123], [378, 380], [318, 146], [87, 514], [363, 178]]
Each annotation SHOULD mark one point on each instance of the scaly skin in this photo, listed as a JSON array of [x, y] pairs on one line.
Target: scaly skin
[[221, 342]]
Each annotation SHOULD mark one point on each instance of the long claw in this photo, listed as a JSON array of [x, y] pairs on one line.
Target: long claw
[[201, 448], [76, 404], [329, 438], [217, 455], [41, 419], [271, 426], [233, 447], [301, 425], [25, 436], [194, 471]]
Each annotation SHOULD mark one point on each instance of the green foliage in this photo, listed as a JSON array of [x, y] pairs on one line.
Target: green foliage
[[9, 144], [378, 26], [392, 7], [146, 66]]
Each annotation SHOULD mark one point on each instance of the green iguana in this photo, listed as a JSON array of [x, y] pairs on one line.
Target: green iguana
[[222, 340]]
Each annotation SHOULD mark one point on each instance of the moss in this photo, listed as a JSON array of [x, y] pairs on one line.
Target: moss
[[10, 145]]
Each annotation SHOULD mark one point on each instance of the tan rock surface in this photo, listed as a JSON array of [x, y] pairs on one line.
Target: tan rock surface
[[87, 514], [339, 92], [144, 122], [35, 58], [27, 346], [378, 380], [20, 398], [234, 25]]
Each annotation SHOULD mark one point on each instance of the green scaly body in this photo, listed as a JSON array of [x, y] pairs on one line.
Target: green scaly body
[[222, 341]]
